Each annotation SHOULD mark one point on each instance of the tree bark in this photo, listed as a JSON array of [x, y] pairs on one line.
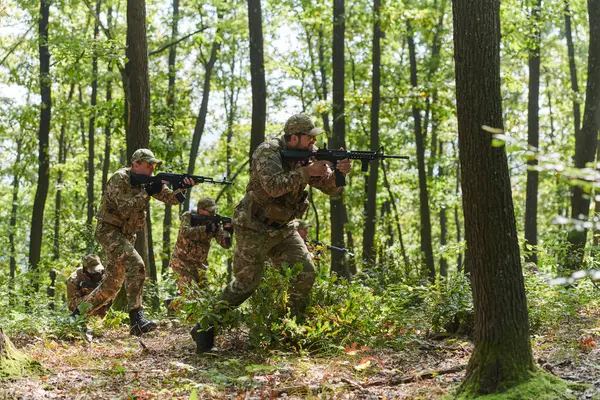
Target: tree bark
[[14, 362], [533, 136], [338, 138], [502, 354], [443, 222], [572, 70], [585, 144], [201, 119], [108, 126], [426, 242], [168, 219], [372, 184], [257, 72], [13, 222], [37, 218]]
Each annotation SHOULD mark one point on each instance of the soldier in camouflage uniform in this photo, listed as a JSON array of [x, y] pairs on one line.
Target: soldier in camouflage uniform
[[193, 244], [263, 225], [83, 280], [122, 213]]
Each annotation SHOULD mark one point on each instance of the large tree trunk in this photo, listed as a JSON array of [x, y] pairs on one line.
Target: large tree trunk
[[12, 361], [426, 242], [533, 136], [572, 70], [168, 219], [502, 354], [257, 72], [586, 142], [201, 119], [371, 215], [338, 138]]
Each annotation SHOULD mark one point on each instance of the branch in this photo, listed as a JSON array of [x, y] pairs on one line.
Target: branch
[[21, 40], [166, 46], [407, 378], [232, 179], [97, 18]]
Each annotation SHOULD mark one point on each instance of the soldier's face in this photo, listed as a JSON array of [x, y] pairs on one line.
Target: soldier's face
[[303, 233], [303, 142], [143, 168], [202, 211]]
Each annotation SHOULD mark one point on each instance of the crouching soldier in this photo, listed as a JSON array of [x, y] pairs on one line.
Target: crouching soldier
[[83, 280], [193, 243]]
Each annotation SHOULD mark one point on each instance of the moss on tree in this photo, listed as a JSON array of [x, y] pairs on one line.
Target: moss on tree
[[13, 362], [537, 385]]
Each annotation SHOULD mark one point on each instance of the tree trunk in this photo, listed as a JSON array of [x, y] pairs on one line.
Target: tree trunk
[[91, 136], [443, 221], [585, 144], [426, 243], [13, 222], [533, 137], [372, 184], [168, 219], [257, 72], [572, 70], [37, 218], [396, 215], [201, 119], [502, 354], [13, 362], [338, 138]]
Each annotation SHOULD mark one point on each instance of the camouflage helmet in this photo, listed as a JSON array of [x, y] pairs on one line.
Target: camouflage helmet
[[303, 224], [301, 124], [92, 264], [208, 204], [145, 155]]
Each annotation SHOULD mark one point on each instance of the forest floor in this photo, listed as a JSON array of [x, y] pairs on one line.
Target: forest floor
[[163, 365]]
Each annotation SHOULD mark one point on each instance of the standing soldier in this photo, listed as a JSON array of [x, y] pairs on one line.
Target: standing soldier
[[83, 280], [193, 244], [123, 213], [275, 196]]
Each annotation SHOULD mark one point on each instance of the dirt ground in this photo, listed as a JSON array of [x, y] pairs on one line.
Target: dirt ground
[[163, 365]]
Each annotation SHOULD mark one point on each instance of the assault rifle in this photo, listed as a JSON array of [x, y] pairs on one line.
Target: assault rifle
[[88, 284], [175, 181], [334, 156], [334, 248], [199, 219]]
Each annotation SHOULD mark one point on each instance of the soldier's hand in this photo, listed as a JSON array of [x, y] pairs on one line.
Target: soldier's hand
[[319, 168], [228, 228], [344, 166], [155, 187], [188, 183]]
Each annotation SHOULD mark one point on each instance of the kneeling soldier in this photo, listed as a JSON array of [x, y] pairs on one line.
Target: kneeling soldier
[[83, 280], [193, 244]]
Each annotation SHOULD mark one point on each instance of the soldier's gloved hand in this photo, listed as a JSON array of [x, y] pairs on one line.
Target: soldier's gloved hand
[[228, 228], [211, 227], [155, 187]]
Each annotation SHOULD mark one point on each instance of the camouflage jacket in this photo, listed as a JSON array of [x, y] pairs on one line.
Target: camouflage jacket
[[75, 293], [276, 191], [193, 242], [124, 205]]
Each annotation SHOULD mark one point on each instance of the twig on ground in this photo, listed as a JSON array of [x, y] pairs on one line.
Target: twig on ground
[[407, 378]]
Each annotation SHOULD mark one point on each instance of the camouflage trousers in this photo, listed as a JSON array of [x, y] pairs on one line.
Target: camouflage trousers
[[124, 264], [281, 247], [188, 273]]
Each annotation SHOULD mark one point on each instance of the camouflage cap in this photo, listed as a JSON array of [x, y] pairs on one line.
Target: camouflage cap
[[207, 203], [92, 264], [301, 124], [145, 155], [303, 224]]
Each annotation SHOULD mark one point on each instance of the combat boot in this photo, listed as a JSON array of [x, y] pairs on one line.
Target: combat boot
[[205, 339], [138, 323]]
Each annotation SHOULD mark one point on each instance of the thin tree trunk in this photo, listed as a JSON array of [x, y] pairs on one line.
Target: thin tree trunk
[[585, 145], [201, 119], [257, 72], [37, 218], [168, 219], [108, 126], [459, 257], [372, 184], [426, 243], [533, 137], [13, 222], [502, 356], [397, 216], [338, 138], [572, 70], [443, 221]]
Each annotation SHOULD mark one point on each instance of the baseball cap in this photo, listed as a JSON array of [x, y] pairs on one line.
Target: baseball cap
[[207, 203], [145, 155], [92, 264], [303, 224], [301, 124]]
